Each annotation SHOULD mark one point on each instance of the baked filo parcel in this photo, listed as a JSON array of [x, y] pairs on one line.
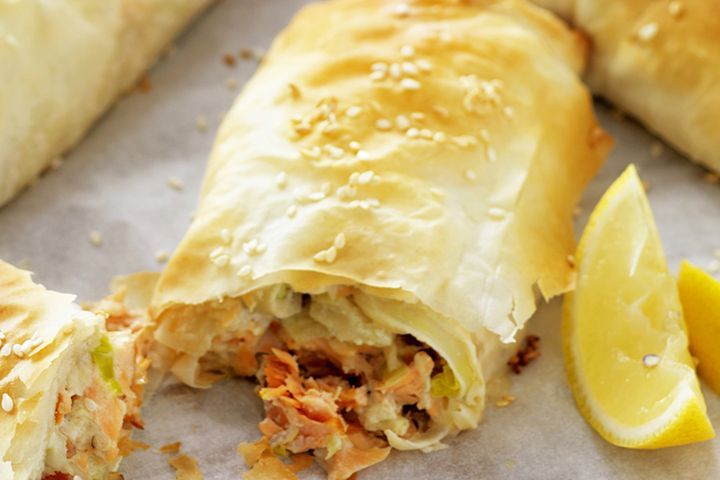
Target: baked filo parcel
[[383, 204], [71, 382]]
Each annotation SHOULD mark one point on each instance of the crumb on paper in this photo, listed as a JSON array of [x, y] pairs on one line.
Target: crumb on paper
[[128, 445], [525, 354], [255, 53], [252, 452], [143, 85], [229, 60], [713, 267], [161, 256], [656, 149], [96, 238], [186, 468], [176, 183], [171, 447], [201, 124], [232, 85], [646, 185], [270, 468], [504, 401]]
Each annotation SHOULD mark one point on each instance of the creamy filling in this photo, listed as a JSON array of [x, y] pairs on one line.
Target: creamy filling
[[333, 383], [94, 413]]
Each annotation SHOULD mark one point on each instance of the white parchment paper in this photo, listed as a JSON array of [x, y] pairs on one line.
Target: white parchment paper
[[115, 182]]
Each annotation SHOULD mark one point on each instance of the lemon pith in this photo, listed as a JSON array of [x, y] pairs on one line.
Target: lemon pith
[[625, 316], [700, 296]]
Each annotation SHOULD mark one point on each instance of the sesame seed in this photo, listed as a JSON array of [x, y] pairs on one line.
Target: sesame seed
[[325, 188], [250, 246], [161, 256], [175, 183], [424, 65], [365, 177], [407, 51], [353, 112], [294, 91], [379, 67], [220, 260], [291, 211], [261, 248], [316, 196], [96, 238], [383, 124], [426, 133], [492, 156], [90, 404], [395, 70], [321, 256], [471, 175], [412, 133], [651, 360], [509, 111], [225, 235], [303, 128], [377, 75], [676, 9], [346, 191], [201, 124], [281, 180], [244, 271], [6, 350], [409, 84], [441, 111], [409, 68], [402, 122], [464, 141], [496, 213], [18, 350], [313, 152], [439, 137], [362, 155], [331, 254], [354, 146], [7, 403], [339, 241], [648, 31], [401, 10], [334, 151], [418, 116]]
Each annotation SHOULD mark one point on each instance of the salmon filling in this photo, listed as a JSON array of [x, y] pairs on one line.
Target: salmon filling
[[334, 399]]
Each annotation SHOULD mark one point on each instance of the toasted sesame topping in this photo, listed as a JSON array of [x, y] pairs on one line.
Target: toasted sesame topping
[[365, 177], [7, 403], [383, 124], [676, 9], [6, 350], [417, 116], [379, 67], [362, 155], [407, 51], [409, 68], [291, 211], [426, 133], [401, 10], [651, 360], [334, 151], [161, 256], [377, 75], [201, 124], [95, 238], [439, 137], [441, 111], [312, 152], [339, 242], [354, 146], [395, 70], [648, 31], [492, 156], [471, 175], [402, 122], [294, 91], [424, 65], [412, 132], [244, 271], [409, 84], [175, 183], [496, 213], [353, 111], [18, 350], [281, 180]]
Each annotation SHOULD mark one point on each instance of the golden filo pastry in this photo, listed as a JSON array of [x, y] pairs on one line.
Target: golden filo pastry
[[71, 381], [63, 62], [658, 60], [383, 204]]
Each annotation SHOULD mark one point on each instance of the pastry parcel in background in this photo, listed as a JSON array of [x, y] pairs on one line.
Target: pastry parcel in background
[[383, 205], [71, 381], [660, 62], [63, 63]]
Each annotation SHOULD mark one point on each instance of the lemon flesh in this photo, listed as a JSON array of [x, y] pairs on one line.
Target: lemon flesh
[[625, 343], [700, 296]]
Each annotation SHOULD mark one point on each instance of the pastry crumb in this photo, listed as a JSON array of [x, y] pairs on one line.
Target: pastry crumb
[[201, 124], [96, 238], [161, 256], [186, 468], [232, 85], [171, 447], [176, 183], [525, 354], [229, 60], [504, 401]]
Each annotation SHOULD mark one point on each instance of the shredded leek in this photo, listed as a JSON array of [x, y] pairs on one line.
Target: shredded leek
[[444, 384], [103, 358]]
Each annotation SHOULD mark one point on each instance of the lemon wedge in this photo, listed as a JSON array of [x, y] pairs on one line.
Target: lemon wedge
[[624, 339], [700, 297]]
